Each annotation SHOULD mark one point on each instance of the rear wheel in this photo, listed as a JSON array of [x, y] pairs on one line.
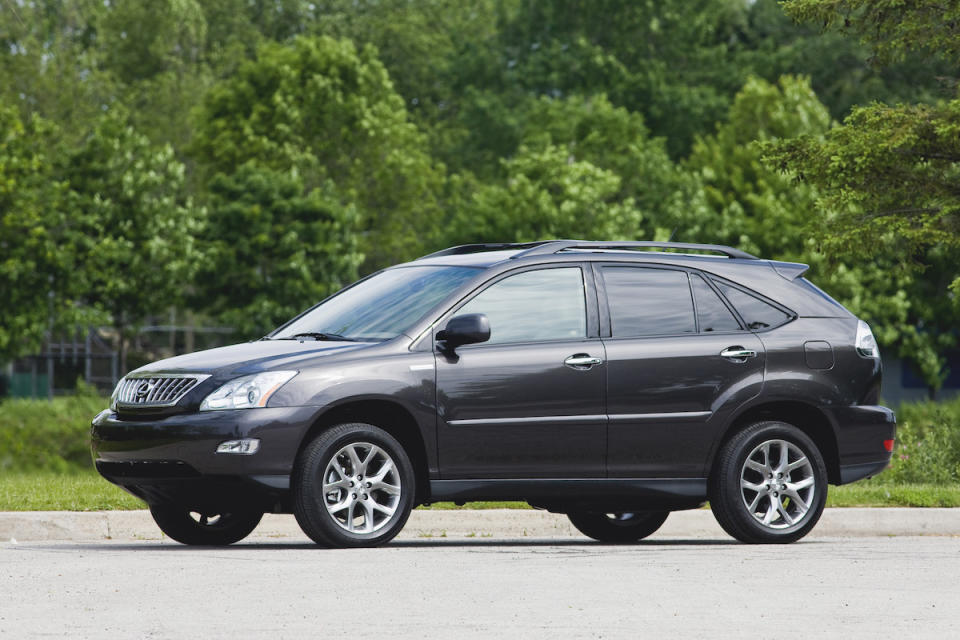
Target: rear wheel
[[769, 485], [353, 487], [618, 527], [205, 528]]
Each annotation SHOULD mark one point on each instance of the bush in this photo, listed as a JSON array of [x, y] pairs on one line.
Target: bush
[[41, 435], [37, 435], [928, 444]]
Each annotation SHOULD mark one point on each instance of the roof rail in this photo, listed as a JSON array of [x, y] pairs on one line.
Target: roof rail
[[557, 246], [491, 246]]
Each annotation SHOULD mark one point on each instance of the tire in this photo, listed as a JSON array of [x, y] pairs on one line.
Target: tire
[[194, 528], [618, 527], [358, 509], [749, 497]]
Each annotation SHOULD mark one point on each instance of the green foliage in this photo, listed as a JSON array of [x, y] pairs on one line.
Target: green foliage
[[891, 27], [928, 444], [139, 229], [886, 177], [38, 239], [53, 436], [547, 194], [411, 125], [273, 250], [329, 111], [754, 206]]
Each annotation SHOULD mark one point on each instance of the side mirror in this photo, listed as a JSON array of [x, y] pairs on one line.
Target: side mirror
[[469, 328]]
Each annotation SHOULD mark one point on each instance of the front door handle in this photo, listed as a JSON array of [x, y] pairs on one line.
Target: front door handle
[[738, 353], [582, 361]]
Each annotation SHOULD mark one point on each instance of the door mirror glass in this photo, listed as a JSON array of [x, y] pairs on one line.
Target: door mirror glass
[[468, 328]]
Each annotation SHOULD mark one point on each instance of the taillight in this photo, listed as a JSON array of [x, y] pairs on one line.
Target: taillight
[[866, 343], [888, 445]]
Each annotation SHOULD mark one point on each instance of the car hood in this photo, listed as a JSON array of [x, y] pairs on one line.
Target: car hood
[[252, 357]]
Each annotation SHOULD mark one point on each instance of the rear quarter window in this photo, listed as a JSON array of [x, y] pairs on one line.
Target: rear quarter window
[[757, 314]]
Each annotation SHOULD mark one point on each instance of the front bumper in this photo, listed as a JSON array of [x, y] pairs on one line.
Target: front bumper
[[173, 459], [861, 431]]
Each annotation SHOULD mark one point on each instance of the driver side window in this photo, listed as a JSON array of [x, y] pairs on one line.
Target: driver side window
[[534, 306]]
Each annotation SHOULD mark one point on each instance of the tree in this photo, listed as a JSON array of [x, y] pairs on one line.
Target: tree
[[273, 250], [748, 204], [887, 176], [547, 194], [126, 196], [329, 111], [38, 239]]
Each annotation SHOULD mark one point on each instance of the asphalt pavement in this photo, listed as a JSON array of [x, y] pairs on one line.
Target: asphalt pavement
[[488, 574], [560, 587]]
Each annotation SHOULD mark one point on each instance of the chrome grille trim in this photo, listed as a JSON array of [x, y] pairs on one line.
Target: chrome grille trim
[[162, 390]]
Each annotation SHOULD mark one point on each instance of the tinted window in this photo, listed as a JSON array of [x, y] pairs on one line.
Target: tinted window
[[384, 305], [548, 304], [648, 302], [712, 314], [754, 311]]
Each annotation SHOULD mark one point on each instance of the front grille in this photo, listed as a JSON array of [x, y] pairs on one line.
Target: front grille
[[158, 390]]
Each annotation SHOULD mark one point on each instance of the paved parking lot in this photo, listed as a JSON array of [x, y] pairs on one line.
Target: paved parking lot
[[462, 587]]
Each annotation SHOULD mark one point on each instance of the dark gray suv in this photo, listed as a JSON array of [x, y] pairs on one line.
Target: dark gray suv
[[610, 381]]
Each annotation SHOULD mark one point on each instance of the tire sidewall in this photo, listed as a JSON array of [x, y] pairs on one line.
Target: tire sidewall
[[309, 502], [178, 525], [598, 526], [730, 475]]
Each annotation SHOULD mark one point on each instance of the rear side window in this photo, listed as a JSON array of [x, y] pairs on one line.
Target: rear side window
[[712, 313], [648, 302], [755, 312]]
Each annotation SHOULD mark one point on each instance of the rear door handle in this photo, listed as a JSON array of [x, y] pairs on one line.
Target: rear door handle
[[582, 361], [738, 353]]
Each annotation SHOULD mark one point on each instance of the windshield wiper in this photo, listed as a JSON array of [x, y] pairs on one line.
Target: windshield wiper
[[319, 335]]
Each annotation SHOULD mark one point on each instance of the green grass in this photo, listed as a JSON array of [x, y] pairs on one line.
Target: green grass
[[86, 491], [47, 491], [865, 494], [45, 460]]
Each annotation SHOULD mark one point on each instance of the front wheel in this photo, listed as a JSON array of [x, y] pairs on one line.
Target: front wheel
[[353, 486], [205, 528], [618, 527], [769, 484]]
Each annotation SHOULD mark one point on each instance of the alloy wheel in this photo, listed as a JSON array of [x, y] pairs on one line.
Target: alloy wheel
[[361, 488], [777, 484]]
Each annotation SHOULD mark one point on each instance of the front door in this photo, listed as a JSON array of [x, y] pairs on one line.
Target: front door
[[529, 402]]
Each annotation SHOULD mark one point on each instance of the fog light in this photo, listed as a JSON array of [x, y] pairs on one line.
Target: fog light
[[245, 447], [888, 445]]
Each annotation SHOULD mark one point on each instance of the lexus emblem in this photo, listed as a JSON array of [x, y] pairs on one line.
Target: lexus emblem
[[143, 389]]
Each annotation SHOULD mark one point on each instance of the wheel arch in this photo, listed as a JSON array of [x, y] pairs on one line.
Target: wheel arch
[[809, 419], [389, 415]]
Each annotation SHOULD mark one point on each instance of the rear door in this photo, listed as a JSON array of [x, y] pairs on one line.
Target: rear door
[[678, 363]]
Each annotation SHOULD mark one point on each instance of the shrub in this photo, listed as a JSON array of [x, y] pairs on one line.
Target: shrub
[[928, 444], [41, 435]]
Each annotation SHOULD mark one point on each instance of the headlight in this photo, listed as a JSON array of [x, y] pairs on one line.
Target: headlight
[[866, 343], [247, 392]]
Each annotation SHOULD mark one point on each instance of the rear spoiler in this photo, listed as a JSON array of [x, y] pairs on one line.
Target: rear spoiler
[[790, 270]]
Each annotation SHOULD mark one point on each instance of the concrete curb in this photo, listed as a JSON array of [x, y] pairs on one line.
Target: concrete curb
[[34, 526]]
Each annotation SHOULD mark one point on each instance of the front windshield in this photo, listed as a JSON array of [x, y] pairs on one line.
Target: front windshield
[[381, 307]]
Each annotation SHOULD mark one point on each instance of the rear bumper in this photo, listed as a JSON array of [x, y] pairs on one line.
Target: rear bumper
[[174, 459], [861, 432]]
